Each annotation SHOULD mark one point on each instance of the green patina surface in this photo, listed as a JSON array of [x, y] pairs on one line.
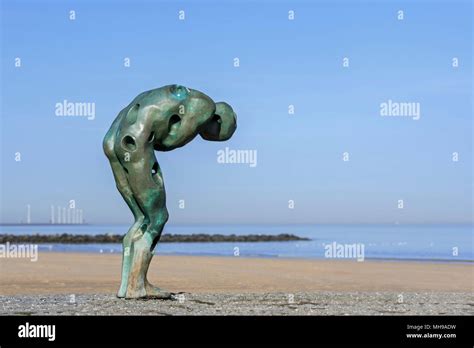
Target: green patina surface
[[162, 119]]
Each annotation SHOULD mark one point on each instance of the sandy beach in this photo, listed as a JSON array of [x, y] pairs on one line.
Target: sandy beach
[[95, 278], [83, 273]]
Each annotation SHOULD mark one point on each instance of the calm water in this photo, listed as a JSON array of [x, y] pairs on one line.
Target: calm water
[[403, 242]]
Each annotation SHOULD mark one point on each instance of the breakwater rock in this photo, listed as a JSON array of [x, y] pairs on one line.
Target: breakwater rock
[[165, 238]]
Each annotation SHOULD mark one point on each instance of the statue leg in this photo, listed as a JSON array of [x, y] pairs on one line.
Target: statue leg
[[134, 232], [146, 183], [124, 188]]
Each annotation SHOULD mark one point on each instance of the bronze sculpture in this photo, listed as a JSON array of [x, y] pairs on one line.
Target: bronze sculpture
[[161, 119]]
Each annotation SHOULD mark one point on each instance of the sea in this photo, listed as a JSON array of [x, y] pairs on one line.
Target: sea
[[439, 243]]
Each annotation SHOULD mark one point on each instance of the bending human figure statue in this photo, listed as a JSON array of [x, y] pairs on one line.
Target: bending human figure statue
[[162, 119]]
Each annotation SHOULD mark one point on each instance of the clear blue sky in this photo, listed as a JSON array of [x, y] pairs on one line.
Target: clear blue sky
[[282, 62]]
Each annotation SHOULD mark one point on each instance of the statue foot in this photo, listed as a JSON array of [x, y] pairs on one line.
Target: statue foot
[[135, 293], [149, 291], [156, 292]]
